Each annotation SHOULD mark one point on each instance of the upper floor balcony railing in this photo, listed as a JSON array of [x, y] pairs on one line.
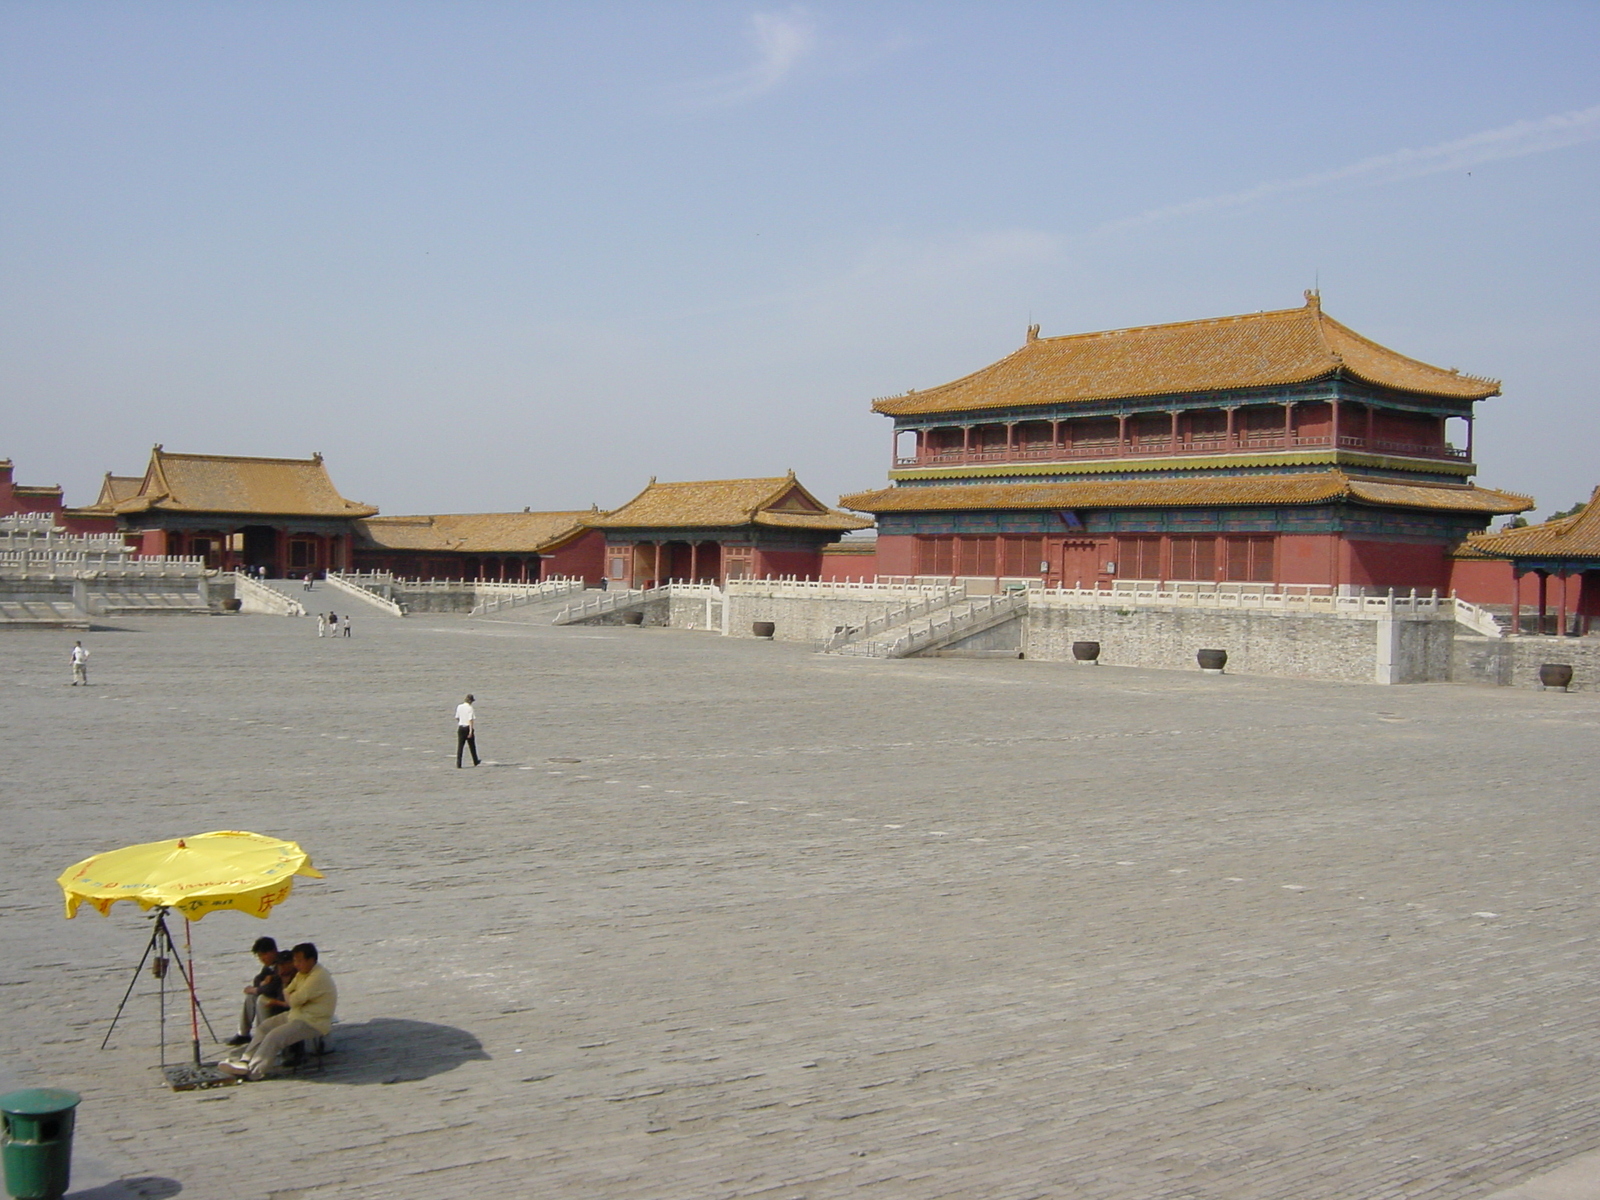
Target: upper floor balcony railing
[[1156, 447]]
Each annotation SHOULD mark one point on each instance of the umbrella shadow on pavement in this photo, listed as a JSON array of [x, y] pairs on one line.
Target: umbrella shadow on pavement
[[395, 1050], [144, 1187]]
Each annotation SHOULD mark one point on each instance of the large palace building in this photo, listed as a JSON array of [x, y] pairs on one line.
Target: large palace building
[[1275, 447]]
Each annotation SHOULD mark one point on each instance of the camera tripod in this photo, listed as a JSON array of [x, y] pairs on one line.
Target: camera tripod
[[166, 955]]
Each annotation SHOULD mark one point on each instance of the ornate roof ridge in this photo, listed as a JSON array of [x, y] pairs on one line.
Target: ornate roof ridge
[[1271, 348]]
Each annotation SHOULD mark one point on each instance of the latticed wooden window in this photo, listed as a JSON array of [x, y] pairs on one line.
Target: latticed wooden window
[[1021, 555], [1139, 557], [1250, 559], [977, 556], [1194, 558], [934, 556]]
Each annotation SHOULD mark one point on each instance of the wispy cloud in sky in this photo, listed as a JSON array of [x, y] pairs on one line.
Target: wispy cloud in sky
[[1508, 141], [782, 40]]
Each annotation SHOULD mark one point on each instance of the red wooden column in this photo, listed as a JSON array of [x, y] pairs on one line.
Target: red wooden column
[[1469, 437], [1370, 428], [1011, 439], [1231, 437], [1544, 595], [1122, 433], [1561, 619], [1174, 446], [1288, 425], [1335, 433], [1516, 601], [694, 562], [1055, 435]]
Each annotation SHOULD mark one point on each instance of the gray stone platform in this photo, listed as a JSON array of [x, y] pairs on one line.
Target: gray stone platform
[[796, 926]]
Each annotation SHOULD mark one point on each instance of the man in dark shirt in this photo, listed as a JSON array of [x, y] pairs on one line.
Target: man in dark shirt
[[264, 987]]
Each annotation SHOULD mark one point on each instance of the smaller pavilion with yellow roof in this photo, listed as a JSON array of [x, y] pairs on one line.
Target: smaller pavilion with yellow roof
[[283, 514], [713, 530], [512, 547], [1552, 568]]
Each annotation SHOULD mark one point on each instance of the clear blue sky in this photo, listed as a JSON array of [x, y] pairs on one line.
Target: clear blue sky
[[486, 256]]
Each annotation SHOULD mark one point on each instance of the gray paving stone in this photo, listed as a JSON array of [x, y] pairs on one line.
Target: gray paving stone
[[805, 927]]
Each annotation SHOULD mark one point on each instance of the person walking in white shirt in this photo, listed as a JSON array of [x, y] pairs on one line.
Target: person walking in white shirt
[[80, 667], [466, 730]]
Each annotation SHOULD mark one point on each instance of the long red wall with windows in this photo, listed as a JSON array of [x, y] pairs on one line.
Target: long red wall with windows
[[1287, 558]]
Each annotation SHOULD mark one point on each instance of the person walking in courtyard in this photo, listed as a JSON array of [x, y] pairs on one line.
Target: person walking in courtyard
[[322, 625], [344, 627], [466, 730], [80, 666]]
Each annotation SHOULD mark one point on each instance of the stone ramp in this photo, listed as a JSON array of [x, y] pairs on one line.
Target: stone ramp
[[354, 589], [274, 597], [602, 604], [931, 626], [540, 611]]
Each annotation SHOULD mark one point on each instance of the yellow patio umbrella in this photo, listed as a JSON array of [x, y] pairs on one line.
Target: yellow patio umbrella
[[247, 872], [227, 869]]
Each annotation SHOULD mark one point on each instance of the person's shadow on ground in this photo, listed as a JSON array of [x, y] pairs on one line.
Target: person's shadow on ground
[[145, 1187], [393, 1050]]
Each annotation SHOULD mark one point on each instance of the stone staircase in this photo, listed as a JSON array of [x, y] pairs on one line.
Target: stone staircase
[[500, 600], [927, 625], [359, 587], [613, 601], [1489, 620], [274, 597]]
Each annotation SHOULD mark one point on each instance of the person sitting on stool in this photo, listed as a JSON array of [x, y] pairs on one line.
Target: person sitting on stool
[[312, 998], [265, 984]]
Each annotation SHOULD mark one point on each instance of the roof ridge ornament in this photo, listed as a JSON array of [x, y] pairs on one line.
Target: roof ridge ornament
[[1033, 333], [1314, 299]]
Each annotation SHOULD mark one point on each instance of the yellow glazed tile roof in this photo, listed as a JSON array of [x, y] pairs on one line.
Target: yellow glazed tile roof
[[1309, 488], [474, 533], [219, 483], [780, 502], [114, 489], [1577, 536], [1266, 349]]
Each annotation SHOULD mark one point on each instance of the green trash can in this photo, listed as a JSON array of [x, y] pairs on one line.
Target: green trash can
[[37, 1142]]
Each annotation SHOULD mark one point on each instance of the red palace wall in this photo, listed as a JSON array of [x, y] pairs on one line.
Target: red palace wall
[[1296, 558], [1397, 565], [855, 564], [897, 555], [583, 557], [1307, 558], [1482, 581], [802, 564]]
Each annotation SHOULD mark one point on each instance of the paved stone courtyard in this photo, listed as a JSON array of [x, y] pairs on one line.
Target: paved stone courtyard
[[804, 927]]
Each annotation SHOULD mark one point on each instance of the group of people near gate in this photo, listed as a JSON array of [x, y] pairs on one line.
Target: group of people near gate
[[289, 1002], [329, 625]]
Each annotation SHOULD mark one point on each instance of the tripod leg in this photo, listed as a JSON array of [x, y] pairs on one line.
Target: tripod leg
[[189, 982], [149, 946]]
